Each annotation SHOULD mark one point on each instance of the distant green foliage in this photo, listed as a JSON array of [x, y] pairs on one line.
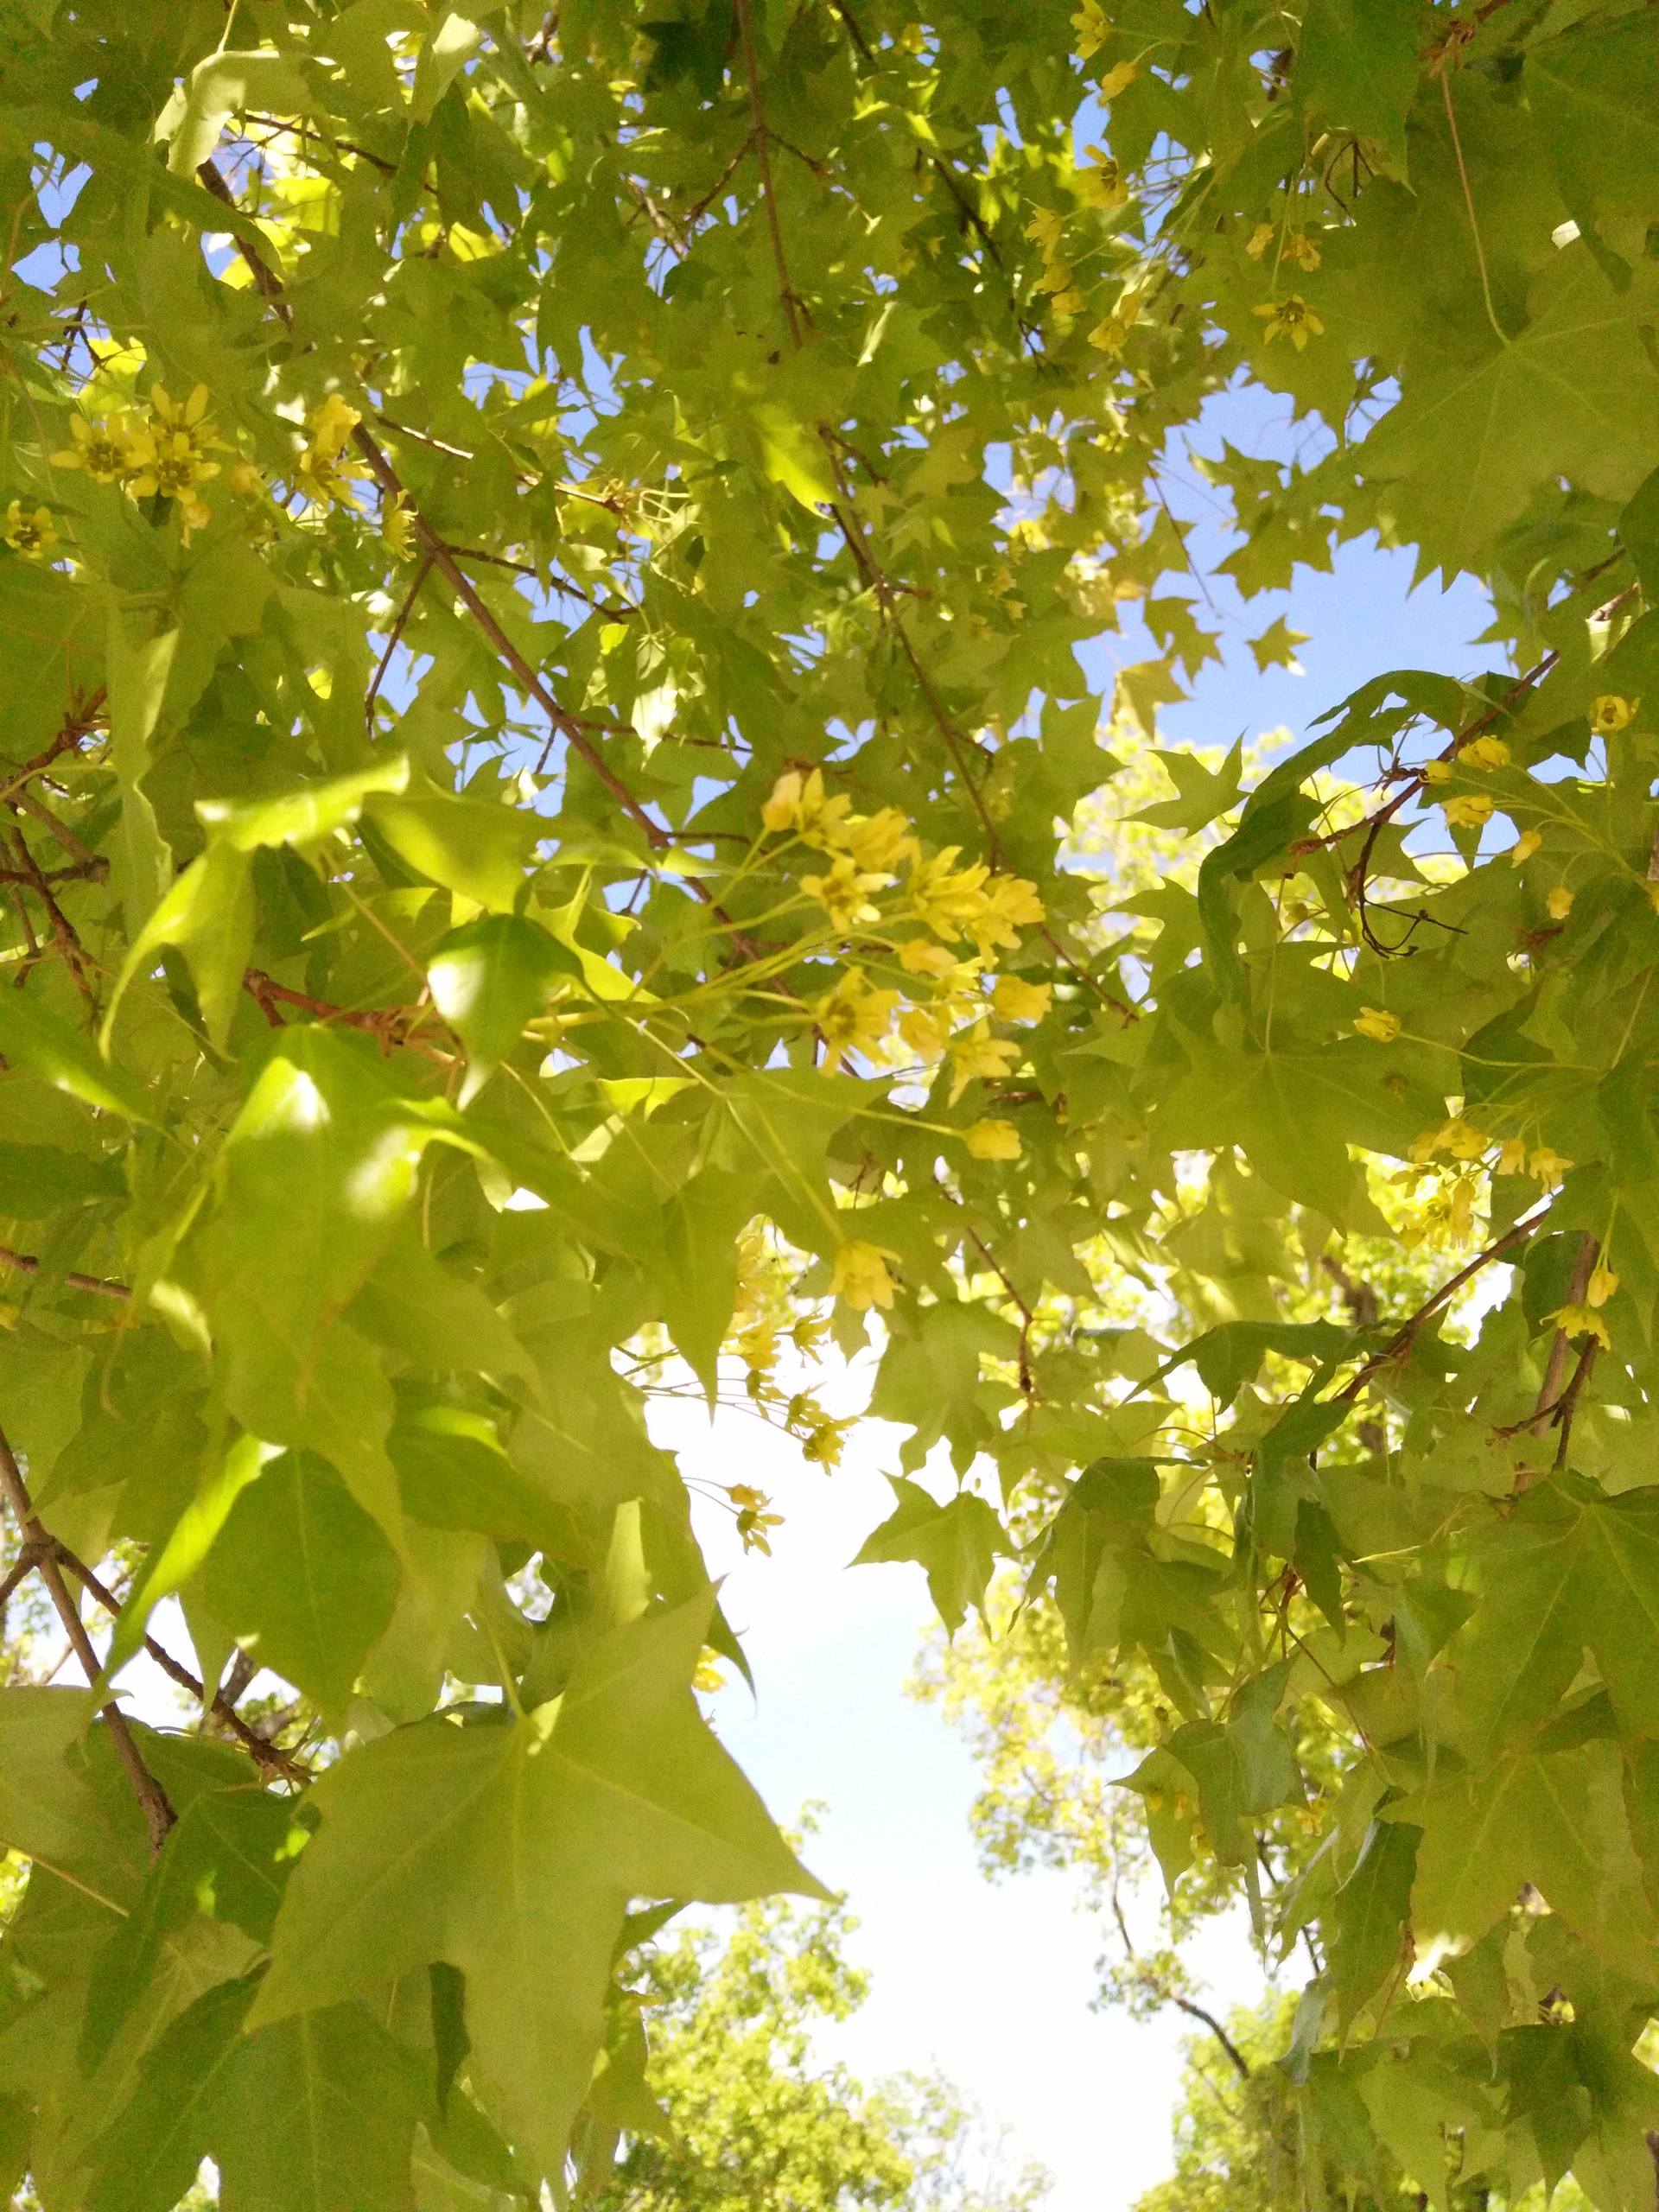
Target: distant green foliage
[[755, 2117]]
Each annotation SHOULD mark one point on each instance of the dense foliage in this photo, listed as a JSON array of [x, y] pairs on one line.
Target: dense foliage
[[543, 554]]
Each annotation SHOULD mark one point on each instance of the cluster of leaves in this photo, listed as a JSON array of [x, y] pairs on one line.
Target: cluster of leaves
[[544, 555]]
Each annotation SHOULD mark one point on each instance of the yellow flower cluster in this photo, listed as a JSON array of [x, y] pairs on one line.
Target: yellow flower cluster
[[1465, 1140], [1058, 279], [167, 455], [1377, 1022], [1297, 247]]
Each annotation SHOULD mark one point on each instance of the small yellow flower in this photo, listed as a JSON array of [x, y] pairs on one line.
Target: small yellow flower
[[1300, 248], [1523, 847], [103, 449], [878, 840], [1601, 1285], [798, 803], [1423, 1146], [1101, 184], [1015, 1000], [1460, 1210], [706, 1675], [993, 1140], [979, 1057], [1463, 1140], [397, 528], [1290, 318], [1582, 1321], [1091, 30], [920, 956], [861, 1277], [1512, 1156], [926, 1030], [30, 532], [1045, 230], [1437, 772], [753, 1519], [1546, 1166], [1469, 810], [332, 424], [1609, 713], [191, 417], [171, 463], [245, 480], [1377, 1022], [1484, 752], [328, 475], [844, 892], [1559, 899], [1010, 904], [852, 1017], [1259, 240], [779, 813], [824, 1441], [945, 897]]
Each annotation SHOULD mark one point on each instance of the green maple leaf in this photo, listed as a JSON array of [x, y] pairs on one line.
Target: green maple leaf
[[316, 1623], [312, 2115], [1469, 442], [1555, 1819], [956, 1542], [512, 1849], [1571, 1571]]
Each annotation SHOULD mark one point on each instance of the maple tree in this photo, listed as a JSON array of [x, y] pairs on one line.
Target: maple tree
[[544, 559]]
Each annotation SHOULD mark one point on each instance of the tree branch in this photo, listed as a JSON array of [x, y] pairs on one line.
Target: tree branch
[[152, 1798], [1406, 1334], [267, 1754]]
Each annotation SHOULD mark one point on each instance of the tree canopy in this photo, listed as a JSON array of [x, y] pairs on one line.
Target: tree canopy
[[544, 561]]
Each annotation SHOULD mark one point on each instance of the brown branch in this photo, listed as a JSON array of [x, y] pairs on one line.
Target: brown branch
[[1187, 2005], [152, 1798], [267, 1755], [422, 572], [92, 864], [763, 159], [1557, 1405], [62, 929], [26, 1264], [1569, 1403], [1407, 1333]]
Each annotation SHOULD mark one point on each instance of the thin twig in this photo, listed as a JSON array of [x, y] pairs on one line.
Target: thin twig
[[26, 1263], [422, 572], [763, 159], [1406, 1334], [152, 1798], [267, 1755]]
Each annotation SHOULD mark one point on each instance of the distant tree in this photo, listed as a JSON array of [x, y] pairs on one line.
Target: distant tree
[[754, 2115]]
